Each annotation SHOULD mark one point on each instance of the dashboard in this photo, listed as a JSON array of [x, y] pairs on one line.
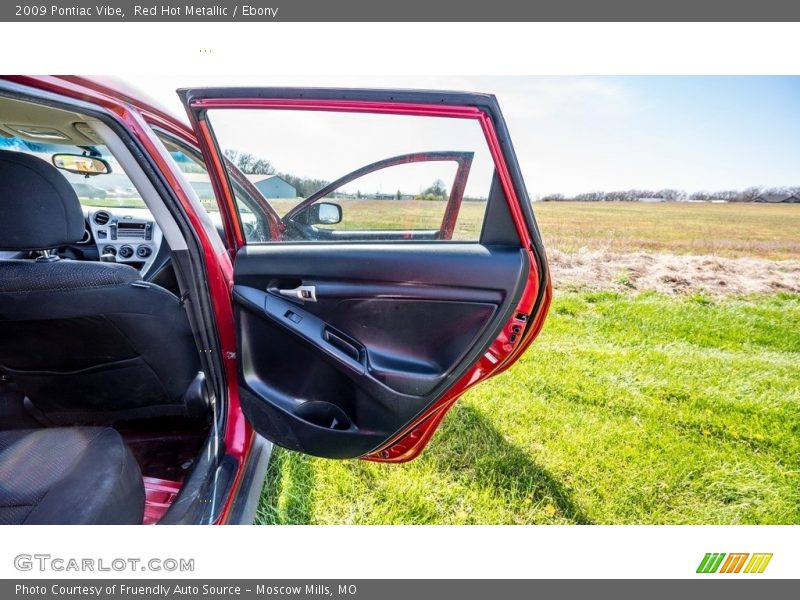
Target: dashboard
[[129, 234]]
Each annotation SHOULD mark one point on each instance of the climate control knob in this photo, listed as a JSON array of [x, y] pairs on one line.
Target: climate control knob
[[126, 251], [143, 251], [109, 250]]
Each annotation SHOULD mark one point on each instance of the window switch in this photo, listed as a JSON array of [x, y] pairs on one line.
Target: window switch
[[293, 316]]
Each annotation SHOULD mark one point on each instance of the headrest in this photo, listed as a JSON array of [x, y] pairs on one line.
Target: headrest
[[38, 207]]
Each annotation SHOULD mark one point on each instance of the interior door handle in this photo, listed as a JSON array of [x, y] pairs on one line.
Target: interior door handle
[[306, 293]]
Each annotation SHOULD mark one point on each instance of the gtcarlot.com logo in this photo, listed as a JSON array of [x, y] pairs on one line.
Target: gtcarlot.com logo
[[47, 562], [719, 562]]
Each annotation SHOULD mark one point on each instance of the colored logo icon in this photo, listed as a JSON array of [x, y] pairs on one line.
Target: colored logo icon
[[719, 562]]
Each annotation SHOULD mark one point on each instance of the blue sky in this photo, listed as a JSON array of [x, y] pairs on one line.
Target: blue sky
[[690, 133], [576, 134]]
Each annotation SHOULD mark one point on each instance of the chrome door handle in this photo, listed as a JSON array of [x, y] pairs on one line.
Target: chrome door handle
[[306, 293]]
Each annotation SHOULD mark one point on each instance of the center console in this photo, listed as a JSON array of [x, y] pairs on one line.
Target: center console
[[130, 235]]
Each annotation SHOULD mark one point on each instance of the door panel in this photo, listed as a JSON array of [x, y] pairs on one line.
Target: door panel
[[355, 342], [448, 266], [391, 326]]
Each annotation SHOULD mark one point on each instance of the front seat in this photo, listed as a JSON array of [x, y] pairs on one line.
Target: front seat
[[84, 341], [66, 476]]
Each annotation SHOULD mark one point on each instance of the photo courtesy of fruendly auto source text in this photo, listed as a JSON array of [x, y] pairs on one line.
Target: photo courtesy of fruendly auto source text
[[430, 299]]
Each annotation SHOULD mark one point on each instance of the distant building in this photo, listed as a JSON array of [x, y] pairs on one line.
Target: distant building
[[652, 200], [203, 189], [275, 187], [201, 184], [778, 198]]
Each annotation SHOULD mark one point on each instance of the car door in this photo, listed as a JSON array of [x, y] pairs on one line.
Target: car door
[[408, 267]]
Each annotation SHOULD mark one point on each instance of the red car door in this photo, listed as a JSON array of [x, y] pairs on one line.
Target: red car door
[[407, 266]]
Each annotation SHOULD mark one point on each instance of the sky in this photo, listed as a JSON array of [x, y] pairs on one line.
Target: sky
[[580, 134], [328, 145]]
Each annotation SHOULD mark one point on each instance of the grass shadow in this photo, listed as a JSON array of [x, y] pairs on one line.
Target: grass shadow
[[470, 447], [468, 451], [287, 497]]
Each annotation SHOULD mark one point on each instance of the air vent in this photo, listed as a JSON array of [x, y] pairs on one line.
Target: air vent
[[101, 217]]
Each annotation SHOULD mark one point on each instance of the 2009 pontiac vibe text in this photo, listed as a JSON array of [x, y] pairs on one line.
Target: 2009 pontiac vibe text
[[152, 11], [53, 10]]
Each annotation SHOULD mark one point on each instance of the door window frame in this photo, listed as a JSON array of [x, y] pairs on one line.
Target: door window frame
[[200, 101]]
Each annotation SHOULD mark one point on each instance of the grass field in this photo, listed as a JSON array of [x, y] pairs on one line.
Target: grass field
[[406, 215], [628, 409], [631, 407], [733, 230]]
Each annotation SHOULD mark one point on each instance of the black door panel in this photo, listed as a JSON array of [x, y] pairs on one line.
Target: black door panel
[[390, 329], [444, 265], [411, 344]]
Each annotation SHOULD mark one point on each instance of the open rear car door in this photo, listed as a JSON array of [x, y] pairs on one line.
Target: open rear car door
[[374, 306]]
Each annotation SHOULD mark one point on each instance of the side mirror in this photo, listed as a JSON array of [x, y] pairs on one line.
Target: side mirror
[[324, 213], [81, 165]]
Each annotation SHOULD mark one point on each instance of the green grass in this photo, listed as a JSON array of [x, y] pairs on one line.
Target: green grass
[[627, 409]]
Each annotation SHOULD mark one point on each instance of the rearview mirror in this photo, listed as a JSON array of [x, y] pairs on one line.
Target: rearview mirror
[[324, 213], [81, 165]]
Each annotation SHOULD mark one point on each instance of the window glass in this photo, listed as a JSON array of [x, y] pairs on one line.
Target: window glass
[[338, 176], [254, 223], [107, 190]]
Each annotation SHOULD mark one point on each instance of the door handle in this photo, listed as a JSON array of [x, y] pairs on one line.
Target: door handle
[[306, 293]]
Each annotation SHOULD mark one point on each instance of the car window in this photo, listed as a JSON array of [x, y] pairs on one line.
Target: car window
[[107, 190], [190, 163], [370, 202], [337, 176], [195, 172]]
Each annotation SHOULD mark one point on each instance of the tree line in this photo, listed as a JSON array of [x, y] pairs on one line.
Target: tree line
[[253, 165], [746, 195], [305, 186]]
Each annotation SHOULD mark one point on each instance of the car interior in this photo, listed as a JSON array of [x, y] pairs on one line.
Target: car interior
[[103, 404]]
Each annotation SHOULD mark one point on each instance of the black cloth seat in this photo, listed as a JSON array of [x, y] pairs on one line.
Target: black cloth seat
[[86, 342], [64, 476]]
